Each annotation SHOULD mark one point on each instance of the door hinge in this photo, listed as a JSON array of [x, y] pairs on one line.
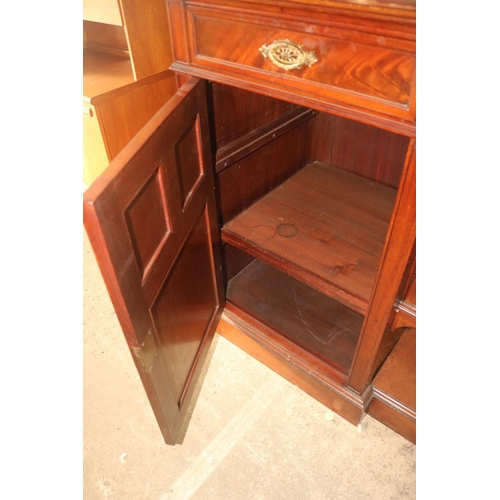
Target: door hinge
[[146, 354]]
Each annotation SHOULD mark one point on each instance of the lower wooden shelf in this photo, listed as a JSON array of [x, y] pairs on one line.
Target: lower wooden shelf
[[323, 327], [394, 389]]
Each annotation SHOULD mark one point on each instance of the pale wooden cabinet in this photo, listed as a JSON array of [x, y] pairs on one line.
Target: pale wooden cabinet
[[126, 75], [102, 11], [95, 157]]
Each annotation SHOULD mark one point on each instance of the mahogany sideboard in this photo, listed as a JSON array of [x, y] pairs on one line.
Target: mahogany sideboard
[[272, 199]]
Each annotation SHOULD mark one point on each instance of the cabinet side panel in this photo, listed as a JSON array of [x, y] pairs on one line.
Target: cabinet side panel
[[398, 247], [362, 149]]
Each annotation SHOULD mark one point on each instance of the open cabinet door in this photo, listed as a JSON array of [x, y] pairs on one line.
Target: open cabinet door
[[152, 223]]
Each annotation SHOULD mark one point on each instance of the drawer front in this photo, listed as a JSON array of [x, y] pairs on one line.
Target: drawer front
[[358, 69]]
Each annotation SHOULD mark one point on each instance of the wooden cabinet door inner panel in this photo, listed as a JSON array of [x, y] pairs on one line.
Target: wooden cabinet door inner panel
[[152, 222]]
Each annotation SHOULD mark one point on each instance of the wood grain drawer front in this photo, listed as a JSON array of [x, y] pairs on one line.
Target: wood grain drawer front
[[363, 70]]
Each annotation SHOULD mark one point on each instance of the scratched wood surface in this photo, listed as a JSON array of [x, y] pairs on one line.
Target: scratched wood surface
[[319, 324], [324, 226]]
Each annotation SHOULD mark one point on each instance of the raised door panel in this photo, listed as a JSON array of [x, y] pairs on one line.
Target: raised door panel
[[152, 223]]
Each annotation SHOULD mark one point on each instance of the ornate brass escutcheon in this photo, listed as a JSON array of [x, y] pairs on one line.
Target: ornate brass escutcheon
[[288, 55]]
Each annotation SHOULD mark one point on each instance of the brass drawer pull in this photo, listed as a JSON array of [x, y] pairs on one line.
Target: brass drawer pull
[[288, 55]]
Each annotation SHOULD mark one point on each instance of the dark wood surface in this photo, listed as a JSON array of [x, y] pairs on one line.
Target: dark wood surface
[[405, 311], [394, 388], [409, 298], [264, 135], [411, 295], [234, 261], [359, 148], [351, 243], [259, 141], [158, 248], [305, 316], [397, 377], [366, 55], [237, 113], [374, 345], [249, 179], [325, 227], [342, 59]]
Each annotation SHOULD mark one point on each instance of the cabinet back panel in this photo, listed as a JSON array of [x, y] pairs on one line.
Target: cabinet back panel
[[359, 148], [238, 113], [249, 179]]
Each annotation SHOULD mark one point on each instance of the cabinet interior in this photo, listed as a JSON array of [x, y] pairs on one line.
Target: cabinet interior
[[305, 200]]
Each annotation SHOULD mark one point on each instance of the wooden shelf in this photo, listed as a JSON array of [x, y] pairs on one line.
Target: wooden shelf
[[323, 327], [104, 72], [324, 226]]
